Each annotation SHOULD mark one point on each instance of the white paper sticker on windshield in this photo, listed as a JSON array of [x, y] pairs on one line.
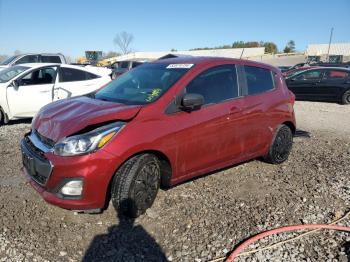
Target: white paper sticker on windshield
[[179, 66]]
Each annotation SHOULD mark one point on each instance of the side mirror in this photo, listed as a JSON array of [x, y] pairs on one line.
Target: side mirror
[[15, 84], [192, 101]]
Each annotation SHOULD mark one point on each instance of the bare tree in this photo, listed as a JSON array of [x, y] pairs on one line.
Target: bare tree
[[123, 41]]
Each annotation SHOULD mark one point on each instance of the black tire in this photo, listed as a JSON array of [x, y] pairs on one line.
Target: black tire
[[281, 145], [135, 185], [346, 98], [2, 118], [114, 75]]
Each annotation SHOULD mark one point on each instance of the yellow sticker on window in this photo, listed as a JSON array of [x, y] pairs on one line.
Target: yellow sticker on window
[[155, 94]]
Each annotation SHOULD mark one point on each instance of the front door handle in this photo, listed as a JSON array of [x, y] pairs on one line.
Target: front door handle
[[235, 110]]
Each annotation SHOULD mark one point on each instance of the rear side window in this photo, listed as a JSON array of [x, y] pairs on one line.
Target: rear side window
[[216, 84], [259, 80], [135, 64], [90, 76], [50, 59], [124, 64], [72, 75], [336, 75]]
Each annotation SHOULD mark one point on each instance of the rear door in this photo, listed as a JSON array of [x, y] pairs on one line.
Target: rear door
[[333, 84], [34, 91], [305, 85], [75, 82], [259, 101]]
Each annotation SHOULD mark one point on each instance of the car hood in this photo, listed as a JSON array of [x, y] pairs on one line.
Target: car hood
[[66, 117]]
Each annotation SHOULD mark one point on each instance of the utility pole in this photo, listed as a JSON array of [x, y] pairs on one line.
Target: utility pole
[[329, 45]]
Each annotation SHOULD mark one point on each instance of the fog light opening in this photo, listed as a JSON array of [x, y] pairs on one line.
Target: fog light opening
[[72, 188]]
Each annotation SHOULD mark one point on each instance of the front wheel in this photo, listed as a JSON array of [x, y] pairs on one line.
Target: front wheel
[[346, 98], [135, 185], [114, 76], [281, 145], [2, 118]]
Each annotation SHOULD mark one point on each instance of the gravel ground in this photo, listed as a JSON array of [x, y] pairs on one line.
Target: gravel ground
[[199, 220]]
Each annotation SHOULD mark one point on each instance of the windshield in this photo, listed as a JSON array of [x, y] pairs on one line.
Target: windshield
[[8, 60], [144, 84], [11, 72]]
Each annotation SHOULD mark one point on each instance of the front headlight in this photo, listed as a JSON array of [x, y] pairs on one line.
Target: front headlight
[[88, 142]]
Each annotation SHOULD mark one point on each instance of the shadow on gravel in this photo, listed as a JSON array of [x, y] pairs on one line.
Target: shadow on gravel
[[19, 121], [302, 133], [124, 242], [347, 250]]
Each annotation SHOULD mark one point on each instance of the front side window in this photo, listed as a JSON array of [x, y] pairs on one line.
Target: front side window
[[28, 59], [216, 84], [41, 76], [9, 73], [310, 75], [72, 75], [259, 80], [143, 85], [8, 60]]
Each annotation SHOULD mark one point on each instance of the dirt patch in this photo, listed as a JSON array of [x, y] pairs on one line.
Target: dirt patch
[[198, 220]]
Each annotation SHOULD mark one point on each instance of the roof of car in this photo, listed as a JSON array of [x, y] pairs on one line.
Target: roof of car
[[93, 69], [208, 59], [327, 67]]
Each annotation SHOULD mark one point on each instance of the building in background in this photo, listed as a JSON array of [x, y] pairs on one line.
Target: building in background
[[230, 53], [338, 52]]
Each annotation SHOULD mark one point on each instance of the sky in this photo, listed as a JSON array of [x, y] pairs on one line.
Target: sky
[[73, 26]]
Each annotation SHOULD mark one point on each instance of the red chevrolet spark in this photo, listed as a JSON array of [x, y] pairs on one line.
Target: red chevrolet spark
[[160, 124]]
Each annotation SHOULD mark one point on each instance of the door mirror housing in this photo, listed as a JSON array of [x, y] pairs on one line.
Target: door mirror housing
[[192, 101], [15, 84]]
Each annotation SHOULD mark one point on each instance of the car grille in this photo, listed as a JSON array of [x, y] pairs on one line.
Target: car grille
[[39, 153], [35, 162], [46, 141]]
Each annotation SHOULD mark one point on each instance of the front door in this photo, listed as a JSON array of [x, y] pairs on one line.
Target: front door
[[209, 136], [305, 85], [33, 92]]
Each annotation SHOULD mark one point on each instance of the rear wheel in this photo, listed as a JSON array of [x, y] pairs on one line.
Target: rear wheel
[[136, 184], [281, 145], [346, 98]]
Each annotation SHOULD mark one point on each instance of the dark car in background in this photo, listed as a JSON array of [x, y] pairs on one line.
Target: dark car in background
[[321, 84], [283, 68], [120, 67]]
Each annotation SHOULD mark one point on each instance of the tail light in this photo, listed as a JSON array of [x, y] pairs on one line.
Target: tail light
[[292, 97]]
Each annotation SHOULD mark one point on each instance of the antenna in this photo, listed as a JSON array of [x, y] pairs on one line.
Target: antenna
[[242, 53], [329, 45]]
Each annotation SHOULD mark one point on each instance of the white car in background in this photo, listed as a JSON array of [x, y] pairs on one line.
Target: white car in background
[[24, 89]]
